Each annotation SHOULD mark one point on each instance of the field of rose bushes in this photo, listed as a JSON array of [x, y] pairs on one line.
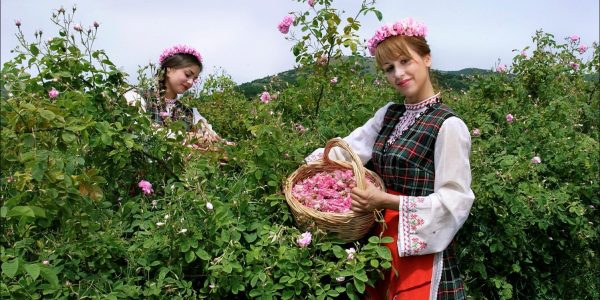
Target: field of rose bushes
[[94, 203]]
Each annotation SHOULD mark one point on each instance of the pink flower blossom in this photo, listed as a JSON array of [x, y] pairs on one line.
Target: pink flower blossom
[[574, 38], [265, 97], [146, 187], [18, 22], [163, 114], [582, 49], [405, 27], [574, 66], [78, 27], [300, 128], [45, 263], [326, 191], [179, 49], [524, 54], [322, 60], [96, 24], [501, 68], [476, 132], [333, 80], [536, 160], [284, 26], [304, 239], [510, 118], [311, 3], [350, 253], [53, 93]]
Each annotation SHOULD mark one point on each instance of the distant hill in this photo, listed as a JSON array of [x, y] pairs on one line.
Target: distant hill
[[456, 80]]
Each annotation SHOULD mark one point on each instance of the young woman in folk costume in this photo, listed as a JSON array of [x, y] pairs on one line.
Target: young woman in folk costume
[[420, 149], [179, 69]]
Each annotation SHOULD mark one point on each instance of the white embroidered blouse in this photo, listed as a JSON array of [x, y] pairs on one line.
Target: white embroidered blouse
[[427, 224]]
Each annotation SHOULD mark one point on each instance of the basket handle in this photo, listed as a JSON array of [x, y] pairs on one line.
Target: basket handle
[[357, 167]]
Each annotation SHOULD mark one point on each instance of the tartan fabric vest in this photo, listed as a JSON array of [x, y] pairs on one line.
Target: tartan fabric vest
[[407, 166]]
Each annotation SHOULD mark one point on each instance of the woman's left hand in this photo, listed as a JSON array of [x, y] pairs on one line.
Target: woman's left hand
[[371, 198]]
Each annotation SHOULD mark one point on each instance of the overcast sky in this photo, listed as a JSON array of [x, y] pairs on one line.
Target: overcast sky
[[241, 37]]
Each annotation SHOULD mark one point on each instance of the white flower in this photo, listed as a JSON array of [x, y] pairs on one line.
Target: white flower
[[183, 230], [340, 279], [167, 217], [350, 252], [160, 224], [209, 206]]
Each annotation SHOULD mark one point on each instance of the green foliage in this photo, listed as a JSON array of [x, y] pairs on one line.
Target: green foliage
[[75, 224]]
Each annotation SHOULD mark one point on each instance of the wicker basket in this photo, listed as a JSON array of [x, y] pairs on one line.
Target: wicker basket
[[349, 226]]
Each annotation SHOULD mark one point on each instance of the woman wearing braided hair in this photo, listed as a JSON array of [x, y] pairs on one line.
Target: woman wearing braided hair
[[420, 149], [179, 69]]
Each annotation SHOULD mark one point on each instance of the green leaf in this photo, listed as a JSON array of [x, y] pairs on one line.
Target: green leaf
[[34, 49], [46, 114], [362, 276], [250, 237], [33, 270], [21, 211], [378, 14], [203, 254], [387, 240], [360, 286], [68, 137], [189, 257], [50, 276], [11, 268], [384, 252]]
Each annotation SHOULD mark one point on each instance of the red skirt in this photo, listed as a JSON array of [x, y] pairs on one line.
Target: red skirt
[[410, 276]]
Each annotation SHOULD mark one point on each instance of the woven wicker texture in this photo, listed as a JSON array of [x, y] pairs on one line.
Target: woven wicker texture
[[347, 227]]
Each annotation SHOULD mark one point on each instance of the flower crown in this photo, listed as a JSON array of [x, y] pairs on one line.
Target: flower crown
[[179, 49], [406, 27]]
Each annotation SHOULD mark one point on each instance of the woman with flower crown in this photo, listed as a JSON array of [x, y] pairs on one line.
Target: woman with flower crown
[[420, 148], [179, 69]]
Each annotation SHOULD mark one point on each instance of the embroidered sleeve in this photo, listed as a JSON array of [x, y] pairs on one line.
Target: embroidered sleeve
[[361, 140], [428, 224]]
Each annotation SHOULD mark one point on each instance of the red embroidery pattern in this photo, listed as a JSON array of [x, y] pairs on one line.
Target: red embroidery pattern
[[410, 222]]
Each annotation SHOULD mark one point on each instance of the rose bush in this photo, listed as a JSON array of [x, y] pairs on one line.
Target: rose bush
[[95, 203]]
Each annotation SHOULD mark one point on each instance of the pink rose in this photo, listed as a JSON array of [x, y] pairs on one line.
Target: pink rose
[[476, 132], [574, 38], [146, 187], [265, 97], [53, 93], [333, 80], [510, 118], [304, 239], [574, 66], [311, 3], [285, 24], [501, 68], [582, 49]]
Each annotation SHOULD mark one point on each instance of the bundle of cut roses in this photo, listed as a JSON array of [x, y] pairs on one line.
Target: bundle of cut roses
[[326, 191]]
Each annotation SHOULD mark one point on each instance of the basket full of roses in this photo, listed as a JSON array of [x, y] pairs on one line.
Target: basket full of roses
[[318, 194]]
